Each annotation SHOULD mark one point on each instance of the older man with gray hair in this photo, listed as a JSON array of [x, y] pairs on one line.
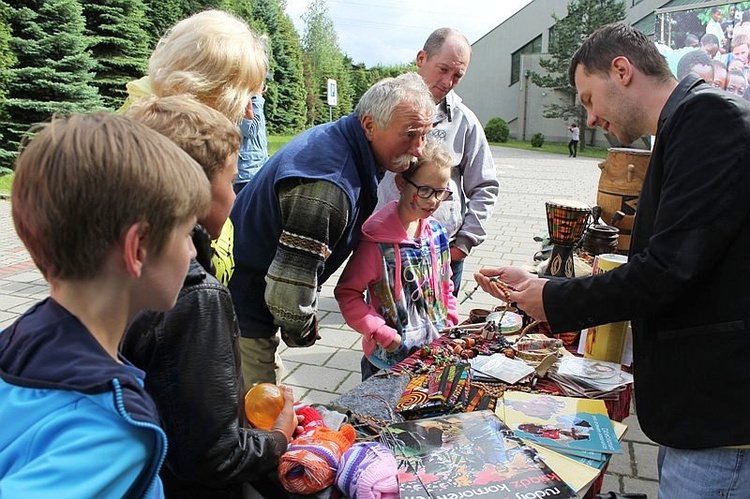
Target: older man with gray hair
[[300, 217], [442, 63]]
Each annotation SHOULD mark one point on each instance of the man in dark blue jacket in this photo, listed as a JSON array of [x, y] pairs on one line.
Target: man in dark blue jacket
[[685, 285], [300, 217]]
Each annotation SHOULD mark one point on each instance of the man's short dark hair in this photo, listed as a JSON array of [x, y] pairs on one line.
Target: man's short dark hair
[[709, 39], [615, 40], [690, 60]]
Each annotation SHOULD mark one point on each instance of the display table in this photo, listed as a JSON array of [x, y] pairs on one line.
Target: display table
[[373, 402]]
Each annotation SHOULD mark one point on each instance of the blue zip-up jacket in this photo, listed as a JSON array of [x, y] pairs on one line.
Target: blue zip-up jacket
[[75, 423]]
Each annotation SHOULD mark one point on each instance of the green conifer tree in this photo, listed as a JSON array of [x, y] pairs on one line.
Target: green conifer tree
[[54, 70], [121, 45]]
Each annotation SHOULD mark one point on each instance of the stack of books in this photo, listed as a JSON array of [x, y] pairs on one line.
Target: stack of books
[[575, 436]]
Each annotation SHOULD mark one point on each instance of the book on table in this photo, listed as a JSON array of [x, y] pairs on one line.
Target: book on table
[[468, 455], [574, 426]]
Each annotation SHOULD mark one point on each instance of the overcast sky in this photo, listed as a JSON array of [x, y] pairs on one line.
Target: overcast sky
[[392, 31]]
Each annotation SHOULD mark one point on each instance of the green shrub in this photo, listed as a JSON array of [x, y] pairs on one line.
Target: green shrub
[[537, 140], [496, 130]]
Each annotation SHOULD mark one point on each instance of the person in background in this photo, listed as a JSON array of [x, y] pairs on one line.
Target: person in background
[[254, 150], [403, 262], [713, 27], [736, 83], [301, 216], [105, 206], [575, 136], [442, 63], [697, 62], [191, 353], [720, 74], [688, 255]]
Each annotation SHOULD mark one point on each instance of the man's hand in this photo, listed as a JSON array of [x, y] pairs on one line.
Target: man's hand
[[525, 289], [288, 422]]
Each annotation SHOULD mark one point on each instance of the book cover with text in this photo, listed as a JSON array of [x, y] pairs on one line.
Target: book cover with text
[[468, 455], [566, 424]]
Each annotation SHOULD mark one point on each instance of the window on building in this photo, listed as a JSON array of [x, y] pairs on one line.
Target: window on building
[[533, 47]]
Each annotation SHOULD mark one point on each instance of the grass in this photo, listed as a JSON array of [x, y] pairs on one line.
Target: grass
[[5, 182], [555, 148], [276, 141]]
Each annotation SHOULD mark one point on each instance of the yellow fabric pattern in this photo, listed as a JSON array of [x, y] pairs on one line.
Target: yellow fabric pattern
[[223, 258]]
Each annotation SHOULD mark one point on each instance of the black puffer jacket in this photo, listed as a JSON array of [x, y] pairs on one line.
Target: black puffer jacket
[[192, 363]]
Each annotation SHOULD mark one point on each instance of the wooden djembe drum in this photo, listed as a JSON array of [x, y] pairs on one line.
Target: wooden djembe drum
[[620, 185], [566, 221]]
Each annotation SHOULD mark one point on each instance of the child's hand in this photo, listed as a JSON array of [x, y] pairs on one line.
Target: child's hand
[[393, 346], [288, 421]]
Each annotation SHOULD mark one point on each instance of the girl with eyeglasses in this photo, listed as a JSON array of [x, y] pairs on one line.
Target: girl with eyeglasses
[[403, 262]]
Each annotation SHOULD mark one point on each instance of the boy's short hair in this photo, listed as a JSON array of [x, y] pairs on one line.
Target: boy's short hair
[[83, 180], [433, 153], [212, 56], [204, 133]]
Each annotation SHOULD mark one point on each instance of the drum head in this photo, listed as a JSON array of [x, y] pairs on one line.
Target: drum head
[[569, 203]]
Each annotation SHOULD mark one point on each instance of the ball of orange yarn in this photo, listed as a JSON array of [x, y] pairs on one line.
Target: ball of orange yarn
[[263, 404]]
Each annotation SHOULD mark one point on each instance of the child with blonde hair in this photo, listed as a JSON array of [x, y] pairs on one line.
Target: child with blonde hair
[[213, 56], [403, 261], [105, 206]]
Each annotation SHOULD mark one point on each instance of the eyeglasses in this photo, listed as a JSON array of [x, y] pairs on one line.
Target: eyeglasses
[[426, 192]]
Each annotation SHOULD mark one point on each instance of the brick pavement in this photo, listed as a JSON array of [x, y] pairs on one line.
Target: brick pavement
[[331, 367]]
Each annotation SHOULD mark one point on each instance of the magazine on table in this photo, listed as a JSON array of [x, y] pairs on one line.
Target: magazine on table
[[468, 455], [567, 424]]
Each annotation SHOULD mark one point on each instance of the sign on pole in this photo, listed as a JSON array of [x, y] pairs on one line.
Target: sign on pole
[[333, 94]]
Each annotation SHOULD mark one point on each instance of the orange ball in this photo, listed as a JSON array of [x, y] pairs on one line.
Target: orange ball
[[263, 404]]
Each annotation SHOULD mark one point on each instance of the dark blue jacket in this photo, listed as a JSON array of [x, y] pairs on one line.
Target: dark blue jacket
[[336, 152]]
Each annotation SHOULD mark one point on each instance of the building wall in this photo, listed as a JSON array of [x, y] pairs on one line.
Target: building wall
[[487, 87]]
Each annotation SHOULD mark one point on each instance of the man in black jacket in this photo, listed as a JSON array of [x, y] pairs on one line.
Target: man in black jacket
[[685, 285]]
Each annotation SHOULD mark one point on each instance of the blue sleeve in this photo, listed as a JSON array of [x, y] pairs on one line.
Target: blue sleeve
[[86, 452]]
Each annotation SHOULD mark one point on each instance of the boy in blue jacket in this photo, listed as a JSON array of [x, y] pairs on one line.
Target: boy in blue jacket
[[106, 207]]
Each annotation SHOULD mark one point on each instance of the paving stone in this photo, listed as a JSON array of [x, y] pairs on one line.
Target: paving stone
[[317, 378], [346, 360], [646, 464], [332, 318], [621, 463], [318, 397], [339, 338], [634, 433], [349, 383], [316, 355], [648, 487], [612, 483], [8, 301]]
